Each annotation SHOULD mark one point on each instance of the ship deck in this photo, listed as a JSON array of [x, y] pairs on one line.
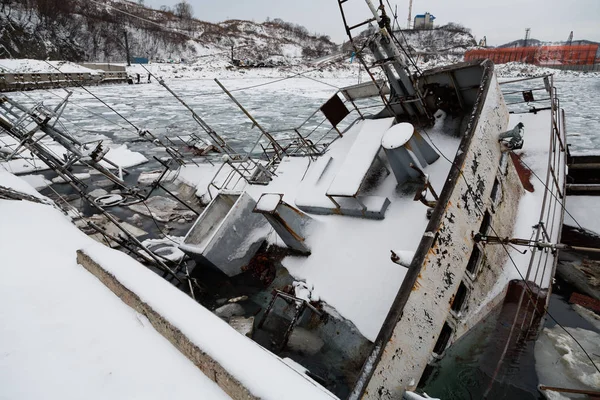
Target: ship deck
[[350, 267]]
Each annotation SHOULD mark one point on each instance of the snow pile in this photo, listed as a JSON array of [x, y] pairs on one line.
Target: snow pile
[[268, 202], [305, 291], [521, 70]]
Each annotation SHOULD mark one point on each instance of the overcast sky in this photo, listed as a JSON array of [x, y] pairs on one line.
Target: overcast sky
[[500, 20]]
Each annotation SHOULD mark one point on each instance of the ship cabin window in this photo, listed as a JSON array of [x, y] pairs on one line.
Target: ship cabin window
[[496, 191], [443, 340], [460, 298], [474, 260], [485, 224]]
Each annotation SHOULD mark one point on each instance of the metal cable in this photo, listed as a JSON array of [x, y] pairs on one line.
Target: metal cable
[[529, 290]]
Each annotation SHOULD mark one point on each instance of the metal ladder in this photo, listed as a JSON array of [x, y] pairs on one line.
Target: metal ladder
[[390, 59]]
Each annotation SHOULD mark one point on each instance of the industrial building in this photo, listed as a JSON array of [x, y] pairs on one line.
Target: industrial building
[[423, 21]]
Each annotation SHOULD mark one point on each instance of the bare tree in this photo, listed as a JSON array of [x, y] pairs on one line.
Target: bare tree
[[183, 10], [50, 11]]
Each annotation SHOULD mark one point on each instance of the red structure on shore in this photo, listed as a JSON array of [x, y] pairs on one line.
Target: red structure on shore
[[584, 54]]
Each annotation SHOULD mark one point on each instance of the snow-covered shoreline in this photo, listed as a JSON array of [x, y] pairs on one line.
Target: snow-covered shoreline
[[220, 67]]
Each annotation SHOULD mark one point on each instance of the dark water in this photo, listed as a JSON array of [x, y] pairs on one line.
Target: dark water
[[475, 368]]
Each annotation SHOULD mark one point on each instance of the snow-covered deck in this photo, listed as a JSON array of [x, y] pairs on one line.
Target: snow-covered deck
[[350, 266]]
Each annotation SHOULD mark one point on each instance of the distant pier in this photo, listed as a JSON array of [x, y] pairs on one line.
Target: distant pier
[[10, 82]]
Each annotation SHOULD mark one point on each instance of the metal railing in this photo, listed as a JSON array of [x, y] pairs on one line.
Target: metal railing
[[551, 218], [311, 138]]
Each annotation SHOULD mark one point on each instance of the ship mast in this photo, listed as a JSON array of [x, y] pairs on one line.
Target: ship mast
[[386, 50]]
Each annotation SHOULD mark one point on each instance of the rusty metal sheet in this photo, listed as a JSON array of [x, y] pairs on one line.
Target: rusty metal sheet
[[335, 110]]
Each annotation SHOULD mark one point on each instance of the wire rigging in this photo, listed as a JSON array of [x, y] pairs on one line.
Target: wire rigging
[[529, 290]]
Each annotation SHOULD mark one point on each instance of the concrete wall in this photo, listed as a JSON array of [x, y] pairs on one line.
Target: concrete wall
[[107, 67], [14, 82], [209, 367]]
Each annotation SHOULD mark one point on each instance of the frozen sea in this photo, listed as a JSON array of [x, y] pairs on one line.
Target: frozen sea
[[279, 105]]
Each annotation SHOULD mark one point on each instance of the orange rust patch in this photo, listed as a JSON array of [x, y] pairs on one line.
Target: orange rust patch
[[417, 285], [523, 172]]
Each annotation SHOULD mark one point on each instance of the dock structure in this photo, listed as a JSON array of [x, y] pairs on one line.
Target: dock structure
[[10, 82]]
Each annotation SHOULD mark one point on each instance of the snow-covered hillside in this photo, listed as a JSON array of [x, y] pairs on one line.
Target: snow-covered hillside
[[446, 40], [81, 30]]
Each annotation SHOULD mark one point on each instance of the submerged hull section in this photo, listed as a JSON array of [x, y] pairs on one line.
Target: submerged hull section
[[453, 282]]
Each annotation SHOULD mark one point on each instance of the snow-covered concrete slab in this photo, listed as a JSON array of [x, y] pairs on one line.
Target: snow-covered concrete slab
[[63, 334], [200, 334]]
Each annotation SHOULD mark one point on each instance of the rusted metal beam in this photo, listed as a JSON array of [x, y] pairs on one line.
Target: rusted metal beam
[[594, 393]]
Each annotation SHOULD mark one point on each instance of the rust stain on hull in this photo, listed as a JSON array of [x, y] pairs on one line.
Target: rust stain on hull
[[523, 172]]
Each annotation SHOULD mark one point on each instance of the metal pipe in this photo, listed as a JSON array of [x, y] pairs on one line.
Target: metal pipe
[[567, 390], [525, 79]]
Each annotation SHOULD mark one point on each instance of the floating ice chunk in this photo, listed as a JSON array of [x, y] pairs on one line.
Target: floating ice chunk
[[98, 193], [81, 176], [37, 181], [123, 157], [13, 182], [571, 367]]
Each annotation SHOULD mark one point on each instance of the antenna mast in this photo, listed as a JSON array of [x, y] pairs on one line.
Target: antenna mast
[[527, 35], [409, 14]]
